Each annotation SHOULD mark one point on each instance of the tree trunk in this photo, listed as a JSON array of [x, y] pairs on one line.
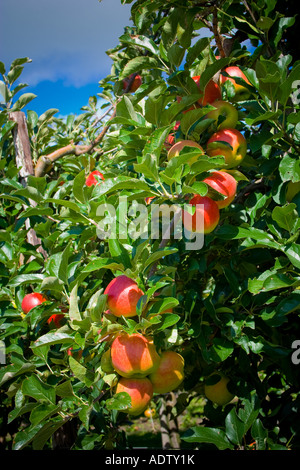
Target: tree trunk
[[168, 423], [25, 166]]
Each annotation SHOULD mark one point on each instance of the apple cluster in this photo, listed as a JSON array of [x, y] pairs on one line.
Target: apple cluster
[[225, 140], [142, 369]]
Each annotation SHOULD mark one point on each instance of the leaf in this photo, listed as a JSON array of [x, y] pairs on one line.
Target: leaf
[[148, 167], [74, 309], [120, 401], [249, 412], [286, 216], [12, 371], [102, 263], [259, 434], [168, 319], [160, 253], [25, 437], [26, 279], [192, 117], [234, 427], [140, 40], [270, 280], [211, 70], [79, 186], [81, 372], [33, 387], [208, 435], [221, 349], [119, 253], [64, 389], [139, 64], [56, 337], [23, 101], [289, 169], [293, 253], [41, 412], [65, 203], [44, 434]]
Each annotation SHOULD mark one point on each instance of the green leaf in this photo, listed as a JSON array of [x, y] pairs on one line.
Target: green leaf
[[249, 412], [140, 40], [65, 203], [167, 320], [221, 349], [176, 54], [259, 434], [79, 186], [120, 401], [64, 389], [160, 253], [96, 306], [208, 435], [286, 217], [293, 253], [211, 70], [270, 280], [23, 101], [139, 64], [25, 437], [42, 412], [11, 371], [289, 169], [103, 263], [44, 434], [56, 337], [33, 387], [148, 167], [234, 427], [81, 372], [195, 51], [119, 253], [26, 279], [74, 311]]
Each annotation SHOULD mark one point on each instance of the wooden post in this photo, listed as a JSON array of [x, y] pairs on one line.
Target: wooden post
[[25, 166], [168, 423]]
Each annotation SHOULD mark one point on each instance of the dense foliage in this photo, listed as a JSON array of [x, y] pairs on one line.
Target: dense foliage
[[235, 301]]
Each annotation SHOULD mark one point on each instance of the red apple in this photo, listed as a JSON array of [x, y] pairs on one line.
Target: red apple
[[134, 355], [177, 148], [169, 374], [140, 391], [55, 319], [225, 184], [149, 199], [123, 294], [241, 92], [136, 83], [212, 91], [226, 110], [91, 180], [207, 211], [32, 300], [230, 143], [170, 140]]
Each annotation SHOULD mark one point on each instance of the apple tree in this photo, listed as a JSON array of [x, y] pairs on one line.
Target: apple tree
[[228, 304]]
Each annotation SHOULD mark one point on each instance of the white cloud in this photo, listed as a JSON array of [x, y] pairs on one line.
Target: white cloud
[[66, 39]]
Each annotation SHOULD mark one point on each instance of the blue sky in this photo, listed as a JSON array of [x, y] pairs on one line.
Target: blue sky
[[66, 40]]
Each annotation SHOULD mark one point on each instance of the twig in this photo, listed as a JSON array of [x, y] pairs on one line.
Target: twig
[[45, 162], [218, 38]]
